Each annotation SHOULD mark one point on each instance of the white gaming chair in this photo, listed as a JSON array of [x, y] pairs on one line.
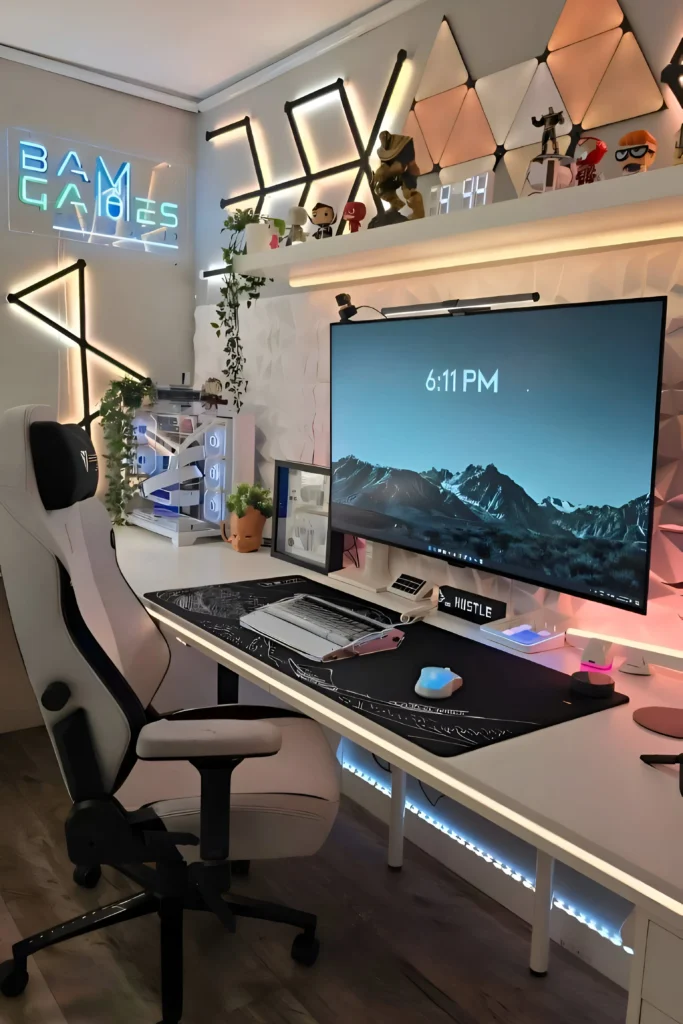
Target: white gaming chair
[[189, 792]]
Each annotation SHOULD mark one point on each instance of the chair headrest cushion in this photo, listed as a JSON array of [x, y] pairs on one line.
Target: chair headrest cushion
[[64, 462]]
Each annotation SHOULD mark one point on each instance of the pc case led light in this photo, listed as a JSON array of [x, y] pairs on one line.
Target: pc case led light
[[189, 461]]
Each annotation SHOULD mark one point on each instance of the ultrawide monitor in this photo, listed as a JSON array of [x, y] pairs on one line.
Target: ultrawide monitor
[[521, 442]]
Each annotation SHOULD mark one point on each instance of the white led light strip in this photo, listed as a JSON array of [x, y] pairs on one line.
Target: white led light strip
[[440, 779], [516, 876], [113, 238]]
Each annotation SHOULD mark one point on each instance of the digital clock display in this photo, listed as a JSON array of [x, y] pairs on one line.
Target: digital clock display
[[462, 380]]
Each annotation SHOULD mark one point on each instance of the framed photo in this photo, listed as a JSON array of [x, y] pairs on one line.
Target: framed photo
[[301, 524]]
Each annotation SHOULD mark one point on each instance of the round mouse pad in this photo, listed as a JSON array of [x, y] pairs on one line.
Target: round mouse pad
[[666, 721]]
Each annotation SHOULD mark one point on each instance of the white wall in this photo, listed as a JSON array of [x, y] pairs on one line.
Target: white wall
[[286, 335], [139, 305], [492, 35]]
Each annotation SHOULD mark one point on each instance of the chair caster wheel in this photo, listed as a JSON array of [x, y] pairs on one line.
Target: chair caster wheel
[[87, 877], [305, 949], [13, 979]]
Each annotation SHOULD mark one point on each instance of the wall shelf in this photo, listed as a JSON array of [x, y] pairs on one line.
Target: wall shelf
[[609, 214]]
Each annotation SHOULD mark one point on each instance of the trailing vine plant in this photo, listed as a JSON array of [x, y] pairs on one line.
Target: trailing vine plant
[[120, 402], [234, 288]]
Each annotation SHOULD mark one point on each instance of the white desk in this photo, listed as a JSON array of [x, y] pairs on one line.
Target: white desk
[[578, 792]]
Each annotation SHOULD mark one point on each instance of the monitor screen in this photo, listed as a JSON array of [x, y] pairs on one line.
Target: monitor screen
[[519, 441]]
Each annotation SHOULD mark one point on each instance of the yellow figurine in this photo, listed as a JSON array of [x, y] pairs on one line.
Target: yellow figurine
[[398, 170]]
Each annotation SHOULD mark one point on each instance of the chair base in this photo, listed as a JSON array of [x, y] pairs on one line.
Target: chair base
[[170, 906]]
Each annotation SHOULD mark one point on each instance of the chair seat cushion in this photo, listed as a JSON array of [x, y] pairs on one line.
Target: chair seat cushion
[[281, 806]]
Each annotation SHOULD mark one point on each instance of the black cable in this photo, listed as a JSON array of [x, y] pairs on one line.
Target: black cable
[[426, 795], [377, 761], [374, 308], [354, 558]]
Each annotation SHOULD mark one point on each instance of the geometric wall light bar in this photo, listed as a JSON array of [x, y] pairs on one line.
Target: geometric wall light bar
[[672, 75], [80, 339], [361, 163], [235, 126]]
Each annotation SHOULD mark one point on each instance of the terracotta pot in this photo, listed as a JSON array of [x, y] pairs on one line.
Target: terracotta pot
[[246, 533]]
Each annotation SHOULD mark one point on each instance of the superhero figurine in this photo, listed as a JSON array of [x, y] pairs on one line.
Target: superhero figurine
[[587, 165], [637, 152], [398, 170], [355, 214], [323, 216], [549, 122]]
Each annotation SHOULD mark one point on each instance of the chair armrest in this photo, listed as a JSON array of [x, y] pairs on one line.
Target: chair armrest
[[186, 740]]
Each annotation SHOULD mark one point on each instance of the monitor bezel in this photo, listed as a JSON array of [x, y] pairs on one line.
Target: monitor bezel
[[663, 300]]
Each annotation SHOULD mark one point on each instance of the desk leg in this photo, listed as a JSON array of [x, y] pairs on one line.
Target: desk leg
[[540, 925], [227, 685], [397, 818]]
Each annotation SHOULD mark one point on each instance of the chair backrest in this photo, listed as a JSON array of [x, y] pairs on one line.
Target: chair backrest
[[75, 618]]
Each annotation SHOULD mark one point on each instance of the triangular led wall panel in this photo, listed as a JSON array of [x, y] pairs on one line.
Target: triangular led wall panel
[[627, 90], [541, 94], [502, 93], [471, 137], [422, 155], [579, 68], [437, 116], [581, 19], [594, 72], [445, 68]]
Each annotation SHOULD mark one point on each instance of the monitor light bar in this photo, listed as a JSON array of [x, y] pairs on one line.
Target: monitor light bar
[[451, 307]]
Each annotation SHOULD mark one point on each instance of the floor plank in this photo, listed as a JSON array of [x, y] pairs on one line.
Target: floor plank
[[415, 947]]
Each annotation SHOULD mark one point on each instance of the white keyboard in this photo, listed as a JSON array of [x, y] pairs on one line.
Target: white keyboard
[[311, 626]]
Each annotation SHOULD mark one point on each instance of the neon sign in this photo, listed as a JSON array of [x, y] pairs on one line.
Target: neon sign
[[101, 196]]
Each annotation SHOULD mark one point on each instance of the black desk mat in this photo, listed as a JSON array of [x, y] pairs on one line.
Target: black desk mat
[[503, 695]]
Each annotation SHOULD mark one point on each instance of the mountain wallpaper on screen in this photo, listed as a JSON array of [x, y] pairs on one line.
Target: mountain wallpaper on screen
[[486, 514]]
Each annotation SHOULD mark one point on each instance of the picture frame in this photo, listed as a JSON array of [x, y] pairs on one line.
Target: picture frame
[[301, 518]]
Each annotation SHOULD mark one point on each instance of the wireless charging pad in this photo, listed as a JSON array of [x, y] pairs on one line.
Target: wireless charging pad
[[666, 721]]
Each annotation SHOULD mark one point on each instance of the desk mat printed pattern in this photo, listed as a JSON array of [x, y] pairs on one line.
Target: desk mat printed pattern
[[503, 695]]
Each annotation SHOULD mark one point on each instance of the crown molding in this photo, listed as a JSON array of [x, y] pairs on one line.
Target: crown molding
[[366, 23]]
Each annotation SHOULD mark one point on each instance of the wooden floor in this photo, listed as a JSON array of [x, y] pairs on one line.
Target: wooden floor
[[417, 947]]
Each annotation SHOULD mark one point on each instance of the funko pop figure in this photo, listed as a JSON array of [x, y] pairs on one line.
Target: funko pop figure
[[637, 152], [587, 165], [297, 219], [355, 214], [323, 216]]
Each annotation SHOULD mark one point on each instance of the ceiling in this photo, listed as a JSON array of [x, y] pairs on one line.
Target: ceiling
[[188, 49]]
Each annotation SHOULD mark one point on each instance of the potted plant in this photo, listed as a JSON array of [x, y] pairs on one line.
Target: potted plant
[[234, 288], [249, 506], [120, 402]]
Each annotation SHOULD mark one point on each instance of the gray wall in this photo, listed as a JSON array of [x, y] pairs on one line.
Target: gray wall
[[492, 35], [139, 305], [286, 335]]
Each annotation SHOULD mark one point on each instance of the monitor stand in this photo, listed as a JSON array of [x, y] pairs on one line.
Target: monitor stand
[[373, 575]]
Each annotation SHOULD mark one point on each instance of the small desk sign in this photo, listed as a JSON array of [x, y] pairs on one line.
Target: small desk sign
[[472, 607]]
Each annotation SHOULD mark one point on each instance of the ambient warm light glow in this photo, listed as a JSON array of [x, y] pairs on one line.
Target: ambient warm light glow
[[544, 838], [634, 645], [577, 243]]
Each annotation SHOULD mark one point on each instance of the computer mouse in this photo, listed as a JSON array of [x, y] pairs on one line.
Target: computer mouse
[[437, 683]]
